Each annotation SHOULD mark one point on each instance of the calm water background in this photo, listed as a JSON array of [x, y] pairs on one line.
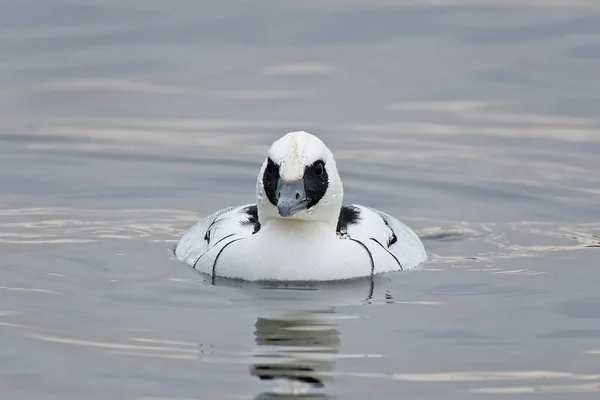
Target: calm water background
[[123, 122]]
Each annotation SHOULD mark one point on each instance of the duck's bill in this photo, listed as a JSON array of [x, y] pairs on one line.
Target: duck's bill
[[291, 197]]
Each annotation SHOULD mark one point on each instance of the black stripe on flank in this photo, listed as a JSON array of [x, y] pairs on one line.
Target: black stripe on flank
[[383, 247], [214, 268], [369, 252], [220, 240]]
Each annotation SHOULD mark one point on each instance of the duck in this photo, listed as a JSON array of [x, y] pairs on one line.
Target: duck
[[299, 229]]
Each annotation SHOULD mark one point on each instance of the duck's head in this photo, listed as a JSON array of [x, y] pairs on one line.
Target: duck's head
[[299, 181]]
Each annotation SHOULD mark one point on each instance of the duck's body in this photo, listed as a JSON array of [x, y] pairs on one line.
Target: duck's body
[[298, 230], [232, 243]]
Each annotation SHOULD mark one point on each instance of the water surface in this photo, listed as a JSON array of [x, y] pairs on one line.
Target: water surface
[[123, 122]]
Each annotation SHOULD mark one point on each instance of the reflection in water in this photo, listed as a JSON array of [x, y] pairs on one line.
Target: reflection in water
[[296, 333], [297, 350], [281, 396], [595, 242]]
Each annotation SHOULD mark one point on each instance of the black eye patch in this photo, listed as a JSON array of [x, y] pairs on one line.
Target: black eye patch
[[270, 178], [316, 182]]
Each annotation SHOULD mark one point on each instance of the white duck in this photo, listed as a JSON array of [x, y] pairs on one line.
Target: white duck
[[299, 230]]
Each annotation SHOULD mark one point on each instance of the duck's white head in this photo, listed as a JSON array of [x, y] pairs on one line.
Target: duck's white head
[[299, 181]]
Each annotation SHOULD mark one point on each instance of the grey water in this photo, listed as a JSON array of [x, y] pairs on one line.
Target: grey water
[[124, 122]]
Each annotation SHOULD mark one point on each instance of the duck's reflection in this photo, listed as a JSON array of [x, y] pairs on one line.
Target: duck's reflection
[[297, 351], [296, 331]]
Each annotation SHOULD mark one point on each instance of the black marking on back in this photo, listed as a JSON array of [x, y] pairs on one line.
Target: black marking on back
[[391, 254], [214, 267], [392, 239], [252, 212], [349, 215], [270, 178], [315, 185], [369, 252], [207, 234]]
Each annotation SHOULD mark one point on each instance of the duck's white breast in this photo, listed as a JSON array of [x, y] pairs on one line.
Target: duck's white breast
[[294, 254]]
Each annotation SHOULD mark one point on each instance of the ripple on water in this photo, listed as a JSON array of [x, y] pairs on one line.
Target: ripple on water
[[298, 349], [481, 244]]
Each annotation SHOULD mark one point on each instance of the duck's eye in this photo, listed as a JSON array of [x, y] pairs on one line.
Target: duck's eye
[[319, 169], [269, 168]]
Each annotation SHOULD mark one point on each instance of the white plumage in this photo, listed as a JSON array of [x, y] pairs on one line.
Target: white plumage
[[298, 230]]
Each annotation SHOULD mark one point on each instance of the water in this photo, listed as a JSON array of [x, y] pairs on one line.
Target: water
[[123, 122]]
